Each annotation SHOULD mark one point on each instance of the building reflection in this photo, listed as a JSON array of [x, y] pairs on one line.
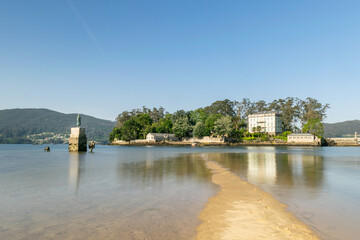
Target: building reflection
[[262, 167], [272, 167], [75, 168]]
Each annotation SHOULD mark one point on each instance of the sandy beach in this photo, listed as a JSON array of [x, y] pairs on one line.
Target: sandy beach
[[242, 211]]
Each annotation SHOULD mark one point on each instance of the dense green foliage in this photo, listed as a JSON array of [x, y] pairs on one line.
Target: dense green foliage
[[223, 126], [139, 122], [221, 118], [182, 127], [200, 130], [342, 129], [315, 127], [283, 136], [17, 124]]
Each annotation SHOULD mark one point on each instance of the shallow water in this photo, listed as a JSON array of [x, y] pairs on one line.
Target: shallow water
[[158, 192], [114, 193], [321, 186]]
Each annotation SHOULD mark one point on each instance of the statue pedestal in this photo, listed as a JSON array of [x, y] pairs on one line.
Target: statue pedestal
[[77, 140]]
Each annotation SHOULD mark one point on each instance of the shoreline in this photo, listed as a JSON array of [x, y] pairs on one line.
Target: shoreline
[[242, 211], [182, 144], [239, 144]]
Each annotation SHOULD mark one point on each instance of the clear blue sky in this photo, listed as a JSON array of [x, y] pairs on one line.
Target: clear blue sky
[[103, 57]]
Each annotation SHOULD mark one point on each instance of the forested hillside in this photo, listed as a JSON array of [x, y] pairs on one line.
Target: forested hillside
[[16, 125], [341, 129]]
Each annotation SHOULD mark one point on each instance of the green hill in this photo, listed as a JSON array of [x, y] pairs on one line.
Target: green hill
[[30, 125], [341, 129]]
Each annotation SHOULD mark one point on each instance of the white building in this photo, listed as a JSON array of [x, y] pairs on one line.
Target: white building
[[303, 138], [269, 122], [156, 137]]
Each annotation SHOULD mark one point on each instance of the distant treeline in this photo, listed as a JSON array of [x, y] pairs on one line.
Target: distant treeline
[[221, 118]]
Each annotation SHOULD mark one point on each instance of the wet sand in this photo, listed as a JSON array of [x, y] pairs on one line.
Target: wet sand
[[242, 211]]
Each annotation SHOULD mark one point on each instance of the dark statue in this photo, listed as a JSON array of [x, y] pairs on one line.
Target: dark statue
[[78, 121], [91, 145]]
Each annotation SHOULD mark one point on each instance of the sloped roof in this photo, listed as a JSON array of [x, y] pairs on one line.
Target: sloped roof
[[265, 112], [162, 134], [300, 134]]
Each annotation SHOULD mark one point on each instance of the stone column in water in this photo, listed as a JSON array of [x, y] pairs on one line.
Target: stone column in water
[[78, 140]]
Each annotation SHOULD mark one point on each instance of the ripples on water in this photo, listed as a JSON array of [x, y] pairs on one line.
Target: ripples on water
[[157, 192]]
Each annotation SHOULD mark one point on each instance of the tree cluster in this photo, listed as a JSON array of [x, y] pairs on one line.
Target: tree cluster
[[221, 118]]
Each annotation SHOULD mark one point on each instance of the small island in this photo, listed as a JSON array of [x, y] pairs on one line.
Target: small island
[[289, 121]]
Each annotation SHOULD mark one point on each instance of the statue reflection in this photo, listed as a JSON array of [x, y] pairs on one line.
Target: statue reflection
[[76, 160]]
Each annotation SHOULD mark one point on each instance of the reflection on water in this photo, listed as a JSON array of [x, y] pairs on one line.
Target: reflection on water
[[308, 168], [321, 186], [76, 166], [125, 193], [261, 167], [151, 172], [157, 193], [274, 169]]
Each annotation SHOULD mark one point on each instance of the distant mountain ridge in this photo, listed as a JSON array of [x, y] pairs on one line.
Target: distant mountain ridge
[[342, 129], [17, 124]]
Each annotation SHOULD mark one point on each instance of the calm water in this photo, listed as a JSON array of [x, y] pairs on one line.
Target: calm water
[[158, 192]]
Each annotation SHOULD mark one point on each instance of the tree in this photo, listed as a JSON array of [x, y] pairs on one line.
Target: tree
[[164, 125], [130, 130], [199, 115], [314, 126], [210, 121], [260, 106], [122, 118], [312, 109], [289, 108], [157, 114], [258, 129], [241, 112], [200, 130], [249, 107], [144, 122], [116, 133], [224, 107], [180, 114], [223, 126], [182, 127]]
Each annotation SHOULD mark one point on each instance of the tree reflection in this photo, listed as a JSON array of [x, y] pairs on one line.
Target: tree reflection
[[257, 165], [150, 172]]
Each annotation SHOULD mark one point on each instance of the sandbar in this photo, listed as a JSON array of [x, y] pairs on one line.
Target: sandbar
[[242, 211]]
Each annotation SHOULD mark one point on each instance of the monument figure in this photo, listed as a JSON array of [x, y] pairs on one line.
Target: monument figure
[[78, 120], [78, 140], [91, 146]]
